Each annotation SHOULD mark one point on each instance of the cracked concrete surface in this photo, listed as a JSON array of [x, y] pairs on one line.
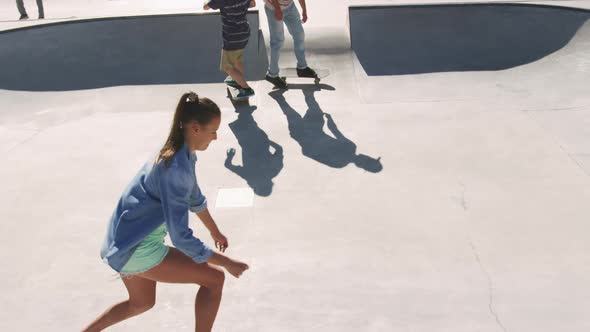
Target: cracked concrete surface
[[490, 288]]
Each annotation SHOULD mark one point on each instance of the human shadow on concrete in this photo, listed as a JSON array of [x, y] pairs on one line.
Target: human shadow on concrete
[[262, 159], [308, 130], [141, 50], [414, 39]]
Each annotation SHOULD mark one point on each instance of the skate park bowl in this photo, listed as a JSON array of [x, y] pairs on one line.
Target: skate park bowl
[[416, 39], [141, 50], [437, 180]]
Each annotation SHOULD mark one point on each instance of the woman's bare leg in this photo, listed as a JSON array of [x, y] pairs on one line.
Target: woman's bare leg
[[142, 297], [175, 268], [179, 268]]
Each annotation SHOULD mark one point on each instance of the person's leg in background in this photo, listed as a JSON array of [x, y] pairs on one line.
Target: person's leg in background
[[228, 58], [277, 39], [21, 9], [233, 65], [41, 9], [292, 20]]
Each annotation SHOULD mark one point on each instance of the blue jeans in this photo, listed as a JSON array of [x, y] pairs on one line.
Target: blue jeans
[[292, 20]]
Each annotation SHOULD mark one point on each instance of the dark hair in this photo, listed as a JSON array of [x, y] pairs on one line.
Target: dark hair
[[190, 108]]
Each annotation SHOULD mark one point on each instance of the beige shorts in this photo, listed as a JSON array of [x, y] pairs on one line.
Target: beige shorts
[[229, 59]]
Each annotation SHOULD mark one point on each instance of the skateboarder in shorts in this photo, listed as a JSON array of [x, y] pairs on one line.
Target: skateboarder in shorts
[[235, 32], [277, 12]]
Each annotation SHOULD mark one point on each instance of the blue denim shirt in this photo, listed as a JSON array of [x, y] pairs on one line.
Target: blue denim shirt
[[158, 194]]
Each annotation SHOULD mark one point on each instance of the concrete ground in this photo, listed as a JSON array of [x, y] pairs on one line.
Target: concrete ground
[[467, 209]]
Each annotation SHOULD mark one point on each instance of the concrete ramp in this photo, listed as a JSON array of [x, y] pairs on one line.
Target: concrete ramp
[[87, 54], [438, 202], [414, 39]]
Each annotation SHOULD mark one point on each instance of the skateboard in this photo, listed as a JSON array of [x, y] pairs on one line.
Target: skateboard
[[233, 93], [292, 73]]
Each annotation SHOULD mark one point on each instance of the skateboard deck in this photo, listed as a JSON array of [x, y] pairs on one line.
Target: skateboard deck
[[292, 73], [233, 94]]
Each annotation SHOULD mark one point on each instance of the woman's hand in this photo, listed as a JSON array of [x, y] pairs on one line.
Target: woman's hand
[[221, 242], [304, 18]]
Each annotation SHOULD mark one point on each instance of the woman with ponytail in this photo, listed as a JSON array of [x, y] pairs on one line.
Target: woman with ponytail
[[158, 201]]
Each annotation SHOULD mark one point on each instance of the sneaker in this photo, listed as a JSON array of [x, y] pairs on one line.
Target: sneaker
[[24, 17], [245, 93], [231, 82], [277, 81], [306, 72]]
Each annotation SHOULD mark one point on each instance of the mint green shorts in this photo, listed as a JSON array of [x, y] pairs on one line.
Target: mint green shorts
[[150, 252]]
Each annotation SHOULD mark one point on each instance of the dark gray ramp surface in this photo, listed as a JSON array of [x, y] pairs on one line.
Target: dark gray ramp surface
[[414, 39], [87, 54]]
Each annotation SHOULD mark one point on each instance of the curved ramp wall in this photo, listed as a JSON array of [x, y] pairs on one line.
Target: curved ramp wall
[[415, 39], [160, 49]]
